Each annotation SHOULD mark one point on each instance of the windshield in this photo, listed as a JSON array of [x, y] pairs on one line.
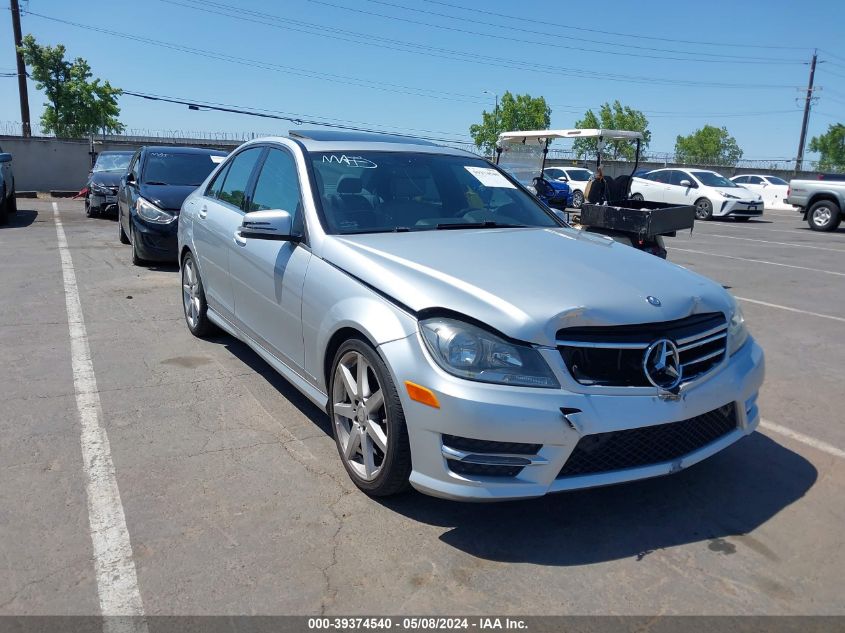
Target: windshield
[[776, 181], [112, 162], [709, 179], [179, 169], [579, 174], [371, 192]]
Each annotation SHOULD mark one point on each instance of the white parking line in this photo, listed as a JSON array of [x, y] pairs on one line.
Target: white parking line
[[751, 239], [758, 261], [787, 308], [804, 439], [117, 581]]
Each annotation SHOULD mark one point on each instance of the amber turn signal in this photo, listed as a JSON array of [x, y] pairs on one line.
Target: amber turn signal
[[422, 394]]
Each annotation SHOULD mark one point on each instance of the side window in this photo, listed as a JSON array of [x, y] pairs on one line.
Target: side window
[[277, 186], [135, 167], [678, 176], [663, 176], [755, 180], [213, 189], [741, 179], [237, 177]]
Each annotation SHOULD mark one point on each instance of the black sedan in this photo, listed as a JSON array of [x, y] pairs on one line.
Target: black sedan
[[104, 181], [151, 194]]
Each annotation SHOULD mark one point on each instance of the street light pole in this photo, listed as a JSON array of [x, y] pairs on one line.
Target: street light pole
[[22, 91]]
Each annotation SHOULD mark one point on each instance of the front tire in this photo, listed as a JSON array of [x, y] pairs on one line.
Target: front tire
[[368, 422], [137, 260], [193, 299], [703, 209], [824, 215], [121, 234], [577, 199]]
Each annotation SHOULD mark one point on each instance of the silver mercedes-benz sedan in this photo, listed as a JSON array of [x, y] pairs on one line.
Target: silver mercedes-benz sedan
[[461, 337]]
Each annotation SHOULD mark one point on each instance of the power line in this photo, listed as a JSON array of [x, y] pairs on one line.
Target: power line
[[717, 58], [369, 39], [195, 104], [617, 34]]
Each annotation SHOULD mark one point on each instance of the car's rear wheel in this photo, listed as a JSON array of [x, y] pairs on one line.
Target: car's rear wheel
[[121, 234], [703, 209], [824, 215], [577, 199], [193, 299], [368, 421], [638, 197]]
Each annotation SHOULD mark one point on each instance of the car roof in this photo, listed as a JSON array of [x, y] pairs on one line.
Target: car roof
[[347, 140], [183, 149]]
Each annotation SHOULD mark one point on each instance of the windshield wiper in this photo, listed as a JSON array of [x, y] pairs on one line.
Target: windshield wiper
[[489, 224], [155, 182]]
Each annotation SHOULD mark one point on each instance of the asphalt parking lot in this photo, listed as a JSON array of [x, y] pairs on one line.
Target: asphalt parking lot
[[236, 502]]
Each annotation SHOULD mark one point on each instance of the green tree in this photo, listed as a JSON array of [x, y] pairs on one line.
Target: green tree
[[76, 106], [613, 116], [831, 148], [710, 145], [519, 112]]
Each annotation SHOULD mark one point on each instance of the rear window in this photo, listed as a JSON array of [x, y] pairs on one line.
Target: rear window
[[579, 174], [180, 169]]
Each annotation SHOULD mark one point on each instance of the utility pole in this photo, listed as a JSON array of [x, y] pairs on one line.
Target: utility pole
[[807, 103], [22, 92]]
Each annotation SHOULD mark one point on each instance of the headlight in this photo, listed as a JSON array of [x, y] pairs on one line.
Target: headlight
[[470, 352], [100, 189], [727, 195], [737, 332], [152, 213]]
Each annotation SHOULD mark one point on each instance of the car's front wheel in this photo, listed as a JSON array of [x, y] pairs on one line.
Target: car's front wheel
[[121, 234], [577, 199], [703, 209], [368, 422], [824, 215]]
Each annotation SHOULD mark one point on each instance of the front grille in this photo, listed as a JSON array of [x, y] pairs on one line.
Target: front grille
[[471, 445], [613, 355], [618, 450]]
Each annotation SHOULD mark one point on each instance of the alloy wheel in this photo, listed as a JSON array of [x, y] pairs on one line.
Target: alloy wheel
[[359, 416], [190, 293], [821, 216]]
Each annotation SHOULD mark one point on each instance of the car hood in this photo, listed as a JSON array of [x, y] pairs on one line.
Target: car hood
[[526, 283], [167, 197], [107, 178]]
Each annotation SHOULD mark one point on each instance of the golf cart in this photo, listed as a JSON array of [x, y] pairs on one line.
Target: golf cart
[[608, 209]]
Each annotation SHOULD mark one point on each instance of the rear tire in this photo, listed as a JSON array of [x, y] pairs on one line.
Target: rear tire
[[703, 209], [638, 197], [824, 215], [366, 414], [193, 299]]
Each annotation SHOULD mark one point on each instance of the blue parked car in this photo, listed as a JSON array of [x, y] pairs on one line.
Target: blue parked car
[[553, 192]]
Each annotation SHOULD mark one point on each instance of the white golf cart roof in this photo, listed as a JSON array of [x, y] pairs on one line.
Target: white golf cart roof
[[522, 136]]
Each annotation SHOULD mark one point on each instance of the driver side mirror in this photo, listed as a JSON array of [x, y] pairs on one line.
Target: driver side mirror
[[563, 179], [130, 178], [686, 183], [269, 225]]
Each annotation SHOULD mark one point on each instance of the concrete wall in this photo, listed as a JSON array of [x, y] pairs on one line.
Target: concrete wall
[[46, 164]]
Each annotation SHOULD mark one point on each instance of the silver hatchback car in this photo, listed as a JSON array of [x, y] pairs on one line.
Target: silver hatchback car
[[460, 337]]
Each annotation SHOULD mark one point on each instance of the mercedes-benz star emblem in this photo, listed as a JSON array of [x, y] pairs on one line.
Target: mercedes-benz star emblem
[[653, 300], [662, 364]]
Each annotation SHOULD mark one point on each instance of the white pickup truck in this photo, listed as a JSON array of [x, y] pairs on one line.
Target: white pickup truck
[[821, 201]]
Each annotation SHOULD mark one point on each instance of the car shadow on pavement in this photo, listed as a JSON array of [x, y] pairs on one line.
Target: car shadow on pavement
[[731, 494], [23, 217], [280, 384]]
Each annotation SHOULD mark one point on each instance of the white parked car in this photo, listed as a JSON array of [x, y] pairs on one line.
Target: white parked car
[[713, 195], [577, 177], [773, 189]]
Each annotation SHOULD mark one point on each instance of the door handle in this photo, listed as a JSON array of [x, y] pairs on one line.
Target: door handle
[[203, 213], [240, 240]]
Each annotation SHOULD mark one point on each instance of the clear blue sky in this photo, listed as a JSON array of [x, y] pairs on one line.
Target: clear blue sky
[[322, 60]]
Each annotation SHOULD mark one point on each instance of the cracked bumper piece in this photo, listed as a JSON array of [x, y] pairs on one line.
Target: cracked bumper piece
[[494, 442]]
